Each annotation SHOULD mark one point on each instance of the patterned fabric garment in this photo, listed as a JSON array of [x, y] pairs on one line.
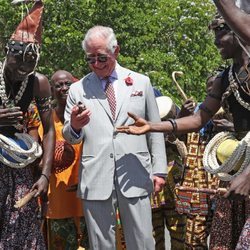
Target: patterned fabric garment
[[19, 228], [175, 222], [244, 241], [164, 212], [31, 117], [120, 239], [198, 223], [228, 221], [64, 234], [64, 225]]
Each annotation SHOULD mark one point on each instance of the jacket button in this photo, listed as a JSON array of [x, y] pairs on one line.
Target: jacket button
[[111, 155]]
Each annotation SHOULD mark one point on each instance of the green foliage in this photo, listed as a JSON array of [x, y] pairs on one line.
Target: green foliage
[[156, 38]]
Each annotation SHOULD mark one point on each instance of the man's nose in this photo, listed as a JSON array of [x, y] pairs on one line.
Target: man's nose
[[96, 62], [65, 86]]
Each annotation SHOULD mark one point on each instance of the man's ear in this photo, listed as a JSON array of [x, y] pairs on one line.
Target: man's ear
[[52, 90], [117, 50]]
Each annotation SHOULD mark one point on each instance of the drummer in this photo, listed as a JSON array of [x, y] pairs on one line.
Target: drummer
[[232, 91]]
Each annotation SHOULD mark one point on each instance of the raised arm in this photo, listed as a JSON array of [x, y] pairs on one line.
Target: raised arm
[[238, 20]]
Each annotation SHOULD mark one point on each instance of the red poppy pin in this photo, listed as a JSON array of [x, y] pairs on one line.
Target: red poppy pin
[[129, 81]]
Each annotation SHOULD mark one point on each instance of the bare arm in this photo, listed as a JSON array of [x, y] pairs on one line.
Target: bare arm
[[235, 18], [41, 90], [183, 125]]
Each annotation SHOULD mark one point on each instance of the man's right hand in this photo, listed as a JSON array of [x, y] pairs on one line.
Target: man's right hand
[[10, 116], [79, 120], [140, 126], [187, 108]]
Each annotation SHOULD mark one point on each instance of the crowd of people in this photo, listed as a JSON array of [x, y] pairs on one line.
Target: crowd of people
[[107, 162]]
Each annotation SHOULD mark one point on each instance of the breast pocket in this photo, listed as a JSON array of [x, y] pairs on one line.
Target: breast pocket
[[136, 98], [137, 105]]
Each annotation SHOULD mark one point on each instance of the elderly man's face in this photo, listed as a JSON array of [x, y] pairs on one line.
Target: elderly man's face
[[61, 82], [100, 59]]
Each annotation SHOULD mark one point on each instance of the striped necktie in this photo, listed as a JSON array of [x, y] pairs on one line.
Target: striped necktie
[[110, 94]]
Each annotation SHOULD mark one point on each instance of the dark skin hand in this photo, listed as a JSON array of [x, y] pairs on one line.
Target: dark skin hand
[[240, 185], [187, 108], [140, 126], [223, 125], [10, 116]]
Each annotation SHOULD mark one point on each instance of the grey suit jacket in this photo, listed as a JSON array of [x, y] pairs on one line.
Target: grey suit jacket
[[107, 154]]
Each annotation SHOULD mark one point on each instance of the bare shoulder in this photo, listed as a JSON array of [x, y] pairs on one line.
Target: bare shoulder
[[41, 86], [217, 86]]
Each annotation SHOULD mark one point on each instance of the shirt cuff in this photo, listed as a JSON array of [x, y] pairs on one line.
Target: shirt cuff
[[75, 134], [161, 175]]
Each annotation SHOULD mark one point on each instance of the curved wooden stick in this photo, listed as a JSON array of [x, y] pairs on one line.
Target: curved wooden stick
[[179, 73], [23, 201]]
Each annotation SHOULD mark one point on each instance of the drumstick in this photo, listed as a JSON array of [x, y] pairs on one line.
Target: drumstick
[[179, 73], [202, 190], [20, 203]]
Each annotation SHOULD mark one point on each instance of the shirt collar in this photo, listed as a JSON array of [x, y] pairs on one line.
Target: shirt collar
[[113, 76]]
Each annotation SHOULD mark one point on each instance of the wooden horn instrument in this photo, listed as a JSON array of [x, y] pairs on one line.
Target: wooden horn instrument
[[179, 73]]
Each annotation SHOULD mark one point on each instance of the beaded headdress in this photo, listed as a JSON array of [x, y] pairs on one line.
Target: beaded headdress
[[28, 35], [216, 22], [25, 40]]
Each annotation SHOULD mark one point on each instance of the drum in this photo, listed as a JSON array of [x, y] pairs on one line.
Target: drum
[[225, 156], [167, 108]]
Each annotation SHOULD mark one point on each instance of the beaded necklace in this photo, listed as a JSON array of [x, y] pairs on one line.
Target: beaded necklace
[[234, 86], [17, 98]]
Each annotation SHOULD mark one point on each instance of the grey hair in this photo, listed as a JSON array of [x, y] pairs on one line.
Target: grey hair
[[103, 32]]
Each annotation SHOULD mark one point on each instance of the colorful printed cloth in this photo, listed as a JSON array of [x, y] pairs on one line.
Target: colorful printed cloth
[[228, 221], [244, 241], [164, 211], [69, 233], [198, 223], [60, 183], [31, 117], [19, 228]]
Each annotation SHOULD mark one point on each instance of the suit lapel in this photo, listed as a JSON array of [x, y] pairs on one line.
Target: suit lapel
[[123, 90], [95, 88]]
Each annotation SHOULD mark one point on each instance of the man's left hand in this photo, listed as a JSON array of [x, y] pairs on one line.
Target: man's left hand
[[240, 185], [41, 185], [159, 183]]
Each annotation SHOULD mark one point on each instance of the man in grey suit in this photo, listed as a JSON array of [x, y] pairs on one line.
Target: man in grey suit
[[117, 170]]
